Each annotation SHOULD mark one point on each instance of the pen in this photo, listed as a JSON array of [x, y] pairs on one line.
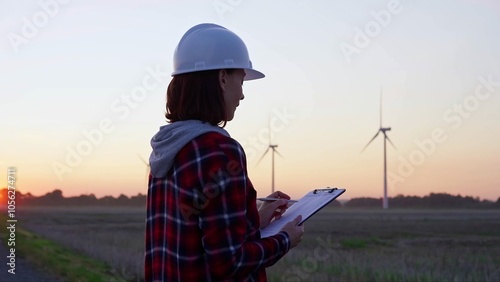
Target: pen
[[275, 199]]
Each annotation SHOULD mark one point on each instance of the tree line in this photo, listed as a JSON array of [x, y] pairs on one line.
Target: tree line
[[433, 200], [56, 198]]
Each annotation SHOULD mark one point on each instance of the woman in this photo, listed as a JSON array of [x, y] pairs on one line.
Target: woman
[[202, 220]]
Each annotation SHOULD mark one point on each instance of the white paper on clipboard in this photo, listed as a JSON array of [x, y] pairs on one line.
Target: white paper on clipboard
[[307, 206]]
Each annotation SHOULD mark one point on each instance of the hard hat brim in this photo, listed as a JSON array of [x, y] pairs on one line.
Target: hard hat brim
[[252, 74]]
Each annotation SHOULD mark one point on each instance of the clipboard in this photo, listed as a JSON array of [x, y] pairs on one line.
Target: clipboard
[[307, 206]]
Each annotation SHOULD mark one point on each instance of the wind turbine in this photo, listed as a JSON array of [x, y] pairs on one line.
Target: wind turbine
[[147, 165], [385, 203], [273, 148]]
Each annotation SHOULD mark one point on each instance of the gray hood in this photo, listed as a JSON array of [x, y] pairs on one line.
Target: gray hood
[[171, 138]]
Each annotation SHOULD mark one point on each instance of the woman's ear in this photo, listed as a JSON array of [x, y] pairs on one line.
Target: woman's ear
[[222, 79]]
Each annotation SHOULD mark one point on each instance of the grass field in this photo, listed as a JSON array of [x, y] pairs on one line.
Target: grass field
[[50, 260], [339, 244]]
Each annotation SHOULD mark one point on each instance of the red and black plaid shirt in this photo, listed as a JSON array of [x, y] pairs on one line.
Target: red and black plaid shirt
[[202, 220]]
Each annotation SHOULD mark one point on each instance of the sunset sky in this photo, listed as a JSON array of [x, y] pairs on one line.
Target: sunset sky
[[82, 87]]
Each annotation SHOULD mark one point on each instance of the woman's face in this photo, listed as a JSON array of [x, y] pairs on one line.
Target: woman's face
[[232, 87]]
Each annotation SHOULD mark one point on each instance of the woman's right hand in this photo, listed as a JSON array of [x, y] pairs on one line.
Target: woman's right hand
[[294, 231]]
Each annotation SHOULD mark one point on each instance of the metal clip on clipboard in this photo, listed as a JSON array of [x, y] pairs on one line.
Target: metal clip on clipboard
[[325, 190]]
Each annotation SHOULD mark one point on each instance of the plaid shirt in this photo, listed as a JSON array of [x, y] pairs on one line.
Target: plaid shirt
[[202, 220]]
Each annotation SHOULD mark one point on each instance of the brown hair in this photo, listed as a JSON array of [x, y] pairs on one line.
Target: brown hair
[[196, 95]]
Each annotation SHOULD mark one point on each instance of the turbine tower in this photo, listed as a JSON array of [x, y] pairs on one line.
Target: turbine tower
[[385, 203], [273, 148]]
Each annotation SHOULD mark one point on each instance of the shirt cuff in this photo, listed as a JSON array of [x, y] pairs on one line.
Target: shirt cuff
[[284, 238]]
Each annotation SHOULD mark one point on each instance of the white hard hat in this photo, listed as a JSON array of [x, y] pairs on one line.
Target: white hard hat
[[211, 47]]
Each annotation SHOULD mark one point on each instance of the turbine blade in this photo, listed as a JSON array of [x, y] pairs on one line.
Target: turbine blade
[[380, 106], [263, 155], [276, 151], [144, 161], [269, 128], [371, 140], [390, 141]]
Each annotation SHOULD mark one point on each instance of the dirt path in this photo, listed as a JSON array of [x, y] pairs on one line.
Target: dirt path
[[24, 271]]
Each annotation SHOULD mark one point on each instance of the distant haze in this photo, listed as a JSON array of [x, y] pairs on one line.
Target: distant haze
[[82, 87]]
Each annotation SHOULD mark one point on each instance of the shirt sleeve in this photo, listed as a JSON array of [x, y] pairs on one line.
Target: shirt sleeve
[[224, 218]]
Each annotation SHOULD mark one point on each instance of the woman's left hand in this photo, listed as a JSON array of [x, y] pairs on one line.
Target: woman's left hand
[[273, 210]]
